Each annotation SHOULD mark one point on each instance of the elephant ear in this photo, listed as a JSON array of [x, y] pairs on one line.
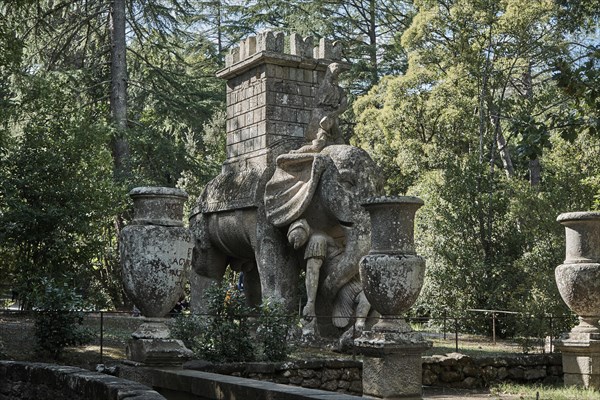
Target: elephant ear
[[292, 187]]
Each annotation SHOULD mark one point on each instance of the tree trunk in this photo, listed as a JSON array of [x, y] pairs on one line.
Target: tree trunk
[[535, 174], [118, 88], [373, 42], [535, 169], [219, 29], [503, 150]]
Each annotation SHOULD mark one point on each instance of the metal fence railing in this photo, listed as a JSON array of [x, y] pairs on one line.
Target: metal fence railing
[[460, 333]]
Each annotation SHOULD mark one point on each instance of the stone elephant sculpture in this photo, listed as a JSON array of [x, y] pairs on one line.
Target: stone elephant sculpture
[[325, 188]]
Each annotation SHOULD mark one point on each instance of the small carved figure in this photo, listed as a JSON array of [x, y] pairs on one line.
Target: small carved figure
[[323, 128], [321, 248]]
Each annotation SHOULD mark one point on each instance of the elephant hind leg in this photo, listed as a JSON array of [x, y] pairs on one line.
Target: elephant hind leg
[[252, 287], [209, 267]]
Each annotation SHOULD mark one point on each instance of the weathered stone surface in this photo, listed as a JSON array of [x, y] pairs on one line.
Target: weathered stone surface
[[271, 101], [306, 373], [450, 376], [38, 381], [296, 380], [331, 374], [516, 373], [162, 352], [158, 205], [392, 377], [578, 281], [155, 261], [312, 383], [454, 370], [502, 373], [534, 374], [152, 329], [579, 286], [582, 232], [392, 273], [429, 377], [329, 385]]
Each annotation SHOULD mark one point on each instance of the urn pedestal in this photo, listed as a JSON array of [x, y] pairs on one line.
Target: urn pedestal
[[156, 255], [578, 281], [392, 277]]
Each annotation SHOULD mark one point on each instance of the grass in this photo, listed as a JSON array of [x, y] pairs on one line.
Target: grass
[[544, 392]]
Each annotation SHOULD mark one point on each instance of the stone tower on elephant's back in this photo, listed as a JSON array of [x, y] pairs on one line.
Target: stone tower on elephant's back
[[272, 82]]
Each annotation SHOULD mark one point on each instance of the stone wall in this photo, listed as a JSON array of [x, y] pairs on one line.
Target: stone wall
[[461, 371], [344, 376], [452, 370], [39, 381]]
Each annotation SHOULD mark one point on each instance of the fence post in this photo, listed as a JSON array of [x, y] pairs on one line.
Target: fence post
[[456, 333], [101, 337], [444, 325], [551, 335], [494, 327], [353, 337]]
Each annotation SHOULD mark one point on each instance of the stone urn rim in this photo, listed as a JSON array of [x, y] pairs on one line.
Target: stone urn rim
[[578, 216], [157, 191], [389, 200]]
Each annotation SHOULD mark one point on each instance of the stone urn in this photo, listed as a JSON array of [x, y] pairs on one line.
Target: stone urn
[[156, 250], [578, 278], [156, 255], [392, 273], [392, 276]]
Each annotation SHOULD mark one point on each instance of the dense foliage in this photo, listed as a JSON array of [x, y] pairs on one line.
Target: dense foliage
[[63, 189], [231, 331], [58, 318], [498, 136]]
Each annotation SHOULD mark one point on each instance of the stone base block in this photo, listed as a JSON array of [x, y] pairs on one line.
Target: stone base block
[[392, 368], [392, 377], [158, 352], [580, 359], [581, 370]]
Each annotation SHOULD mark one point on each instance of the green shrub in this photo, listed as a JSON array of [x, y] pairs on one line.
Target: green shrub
[[231, 331], [225, 332], [272, 331], [58, 318], [186, 327]]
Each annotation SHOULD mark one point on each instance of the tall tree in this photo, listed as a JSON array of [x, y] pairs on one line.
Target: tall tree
[[66, 102], [475, 116], [118, 86], [369, 29]]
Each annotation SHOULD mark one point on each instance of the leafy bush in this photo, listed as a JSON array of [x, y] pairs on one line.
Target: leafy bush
[[227, 328], [273, 327], [231, 331], [58, 318], [186, 327]]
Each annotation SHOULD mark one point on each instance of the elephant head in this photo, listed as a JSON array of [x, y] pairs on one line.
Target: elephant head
[[327, 189]]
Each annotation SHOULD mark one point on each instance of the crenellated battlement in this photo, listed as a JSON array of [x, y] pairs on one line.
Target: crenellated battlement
[[279, 43], [272, 84]]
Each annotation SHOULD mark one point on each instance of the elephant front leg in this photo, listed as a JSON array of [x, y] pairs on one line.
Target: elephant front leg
[[278, 267]]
